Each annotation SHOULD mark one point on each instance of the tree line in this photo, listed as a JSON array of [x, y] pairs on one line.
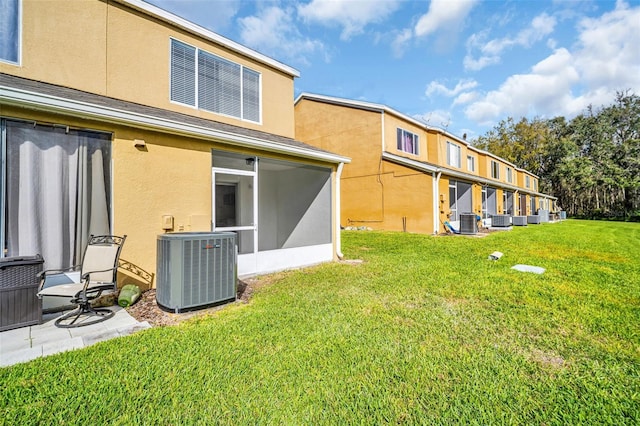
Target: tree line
[[591, 162]]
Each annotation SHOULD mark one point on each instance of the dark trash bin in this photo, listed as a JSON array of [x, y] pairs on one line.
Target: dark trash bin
[[19, 302]]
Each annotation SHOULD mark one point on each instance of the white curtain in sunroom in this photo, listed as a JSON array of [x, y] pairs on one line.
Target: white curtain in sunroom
[[57, 192]]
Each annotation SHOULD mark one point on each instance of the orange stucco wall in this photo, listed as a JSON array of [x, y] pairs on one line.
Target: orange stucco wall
[[109, 49], [375, 192]]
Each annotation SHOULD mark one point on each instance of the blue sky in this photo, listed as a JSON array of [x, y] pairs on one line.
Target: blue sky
[[462, 65]]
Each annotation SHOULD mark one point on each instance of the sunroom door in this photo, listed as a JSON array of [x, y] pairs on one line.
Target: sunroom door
[[234, 209]]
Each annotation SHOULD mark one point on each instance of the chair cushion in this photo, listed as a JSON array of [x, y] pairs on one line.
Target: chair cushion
[[70, 290]]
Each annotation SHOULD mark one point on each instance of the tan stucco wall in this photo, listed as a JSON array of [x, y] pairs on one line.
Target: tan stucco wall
[[106, 48], [391, 125], [346, 131], [443, 203], [374, 192]]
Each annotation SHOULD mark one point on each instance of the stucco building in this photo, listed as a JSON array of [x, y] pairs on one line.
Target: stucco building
[[406, 175], [119, 117]]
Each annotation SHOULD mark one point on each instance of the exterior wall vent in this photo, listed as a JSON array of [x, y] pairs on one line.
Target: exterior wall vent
[[196, 270]]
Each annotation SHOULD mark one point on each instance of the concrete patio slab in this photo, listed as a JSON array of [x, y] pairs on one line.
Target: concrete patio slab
[[28, 343]]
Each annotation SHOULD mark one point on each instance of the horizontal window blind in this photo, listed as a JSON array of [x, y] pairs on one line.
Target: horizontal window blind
[[222, 86], [183, 73], [250, 95], [218, 85]]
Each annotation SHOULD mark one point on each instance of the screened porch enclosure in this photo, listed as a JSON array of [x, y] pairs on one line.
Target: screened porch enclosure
[[460, 200], [281, 210], [508, 203]]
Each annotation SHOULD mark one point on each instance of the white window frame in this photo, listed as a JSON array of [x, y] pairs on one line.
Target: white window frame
[[509, 175], [401, 134], [471, 163], [495, 170], [453, 153], [18, 60], [527, 182], [453, 202], [241, 82]]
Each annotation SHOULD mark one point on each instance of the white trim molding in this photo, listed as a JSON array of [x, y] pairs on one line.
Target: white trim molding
[[49, 103]]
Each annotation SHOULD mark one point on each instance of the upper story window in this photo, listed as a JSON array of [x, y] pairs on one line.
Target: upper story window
[[495, 169], [471, 163], [10, 31], [407, 141], [453, 154], [509, 174], [535, 184], [206, 81], [527, 182]]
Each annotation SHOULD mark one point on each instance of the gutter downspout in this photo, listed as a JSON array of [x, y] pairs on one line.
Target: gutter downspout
[[436, 209], [338, 239]]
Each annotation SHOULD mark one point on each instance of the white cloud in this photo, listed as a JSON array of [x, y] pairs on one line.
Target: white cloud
[[399, 44], [465, 98], [609, 55], [217, 18], [443, 17], [547, 88], [435, 118], [490, 51], [604, 60], [274, 33], [352, 15], [443, 14], [439, 88]]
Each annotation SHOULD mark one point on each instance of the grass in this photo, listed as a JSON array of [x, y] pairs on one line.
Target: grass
[[425, 331]]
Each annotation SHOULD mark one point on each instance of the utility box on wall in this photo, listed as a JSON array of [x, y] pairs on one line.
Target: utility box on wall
[[196, 270]]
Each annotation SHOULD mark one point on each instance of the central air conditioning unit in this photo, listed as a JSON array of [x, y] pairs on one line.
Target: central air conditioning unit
[[500, 220], [544, 215], [196, 270], [468, 224], [519, 221]]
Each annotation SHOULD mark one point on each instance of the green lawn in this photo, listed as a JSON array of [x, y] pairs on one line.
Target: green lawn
[[425, 331]]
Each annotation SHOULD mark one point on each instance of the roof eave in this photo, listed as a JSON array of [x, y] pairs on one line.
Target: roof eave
[[22, 98]]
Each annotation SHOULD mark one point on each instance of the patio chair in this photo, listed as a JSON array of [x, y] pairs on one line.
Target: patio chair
[[98, 274]]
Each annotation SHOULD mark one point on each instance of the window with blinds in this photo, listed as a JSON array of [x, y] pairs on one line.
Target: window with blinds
[[213, 83], [183, 73]]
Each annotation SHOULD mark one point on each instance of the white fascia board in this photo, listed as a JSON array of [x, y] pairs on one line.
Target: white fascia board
[[38, 101], [527, 172], [428, 168], [418, 165], [363, 105], [184, 24]]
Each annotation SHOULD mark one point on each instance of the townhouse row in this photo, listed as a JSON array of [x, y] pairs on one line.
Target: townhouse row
[[406, 175], [119, 117]]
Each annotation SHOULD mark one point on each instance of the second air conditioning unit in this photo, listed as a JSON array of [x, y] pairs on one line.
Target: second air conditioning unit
[[468, 224]]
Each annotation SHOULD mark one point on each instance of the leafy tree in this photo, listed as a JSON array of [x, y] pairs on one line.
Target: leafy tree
[[591, 163]]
